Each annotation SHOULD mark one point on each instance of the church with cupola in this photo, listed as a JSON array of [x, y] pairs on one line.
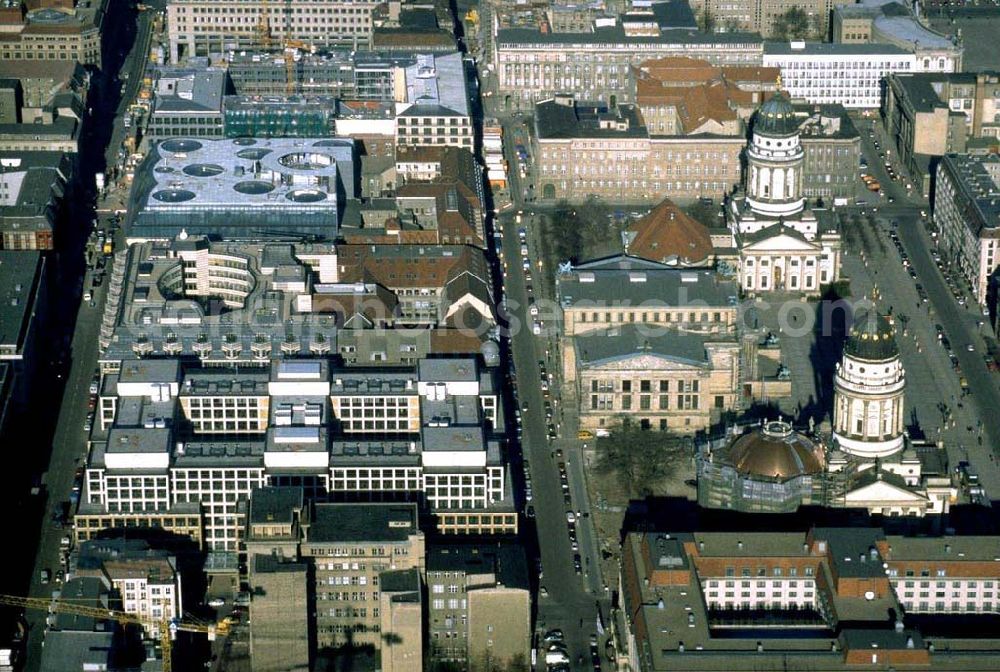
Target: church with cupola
[[863, 459], [783, 245]]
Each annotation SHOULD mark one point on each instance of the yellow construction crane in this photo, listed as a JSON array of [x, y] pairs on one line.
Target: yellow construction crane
[[291, 47], [264, 26], [166, 627]]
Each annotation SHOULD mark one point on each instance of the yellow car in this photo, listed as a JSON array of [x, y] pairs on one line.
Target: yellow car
[[584, 435]]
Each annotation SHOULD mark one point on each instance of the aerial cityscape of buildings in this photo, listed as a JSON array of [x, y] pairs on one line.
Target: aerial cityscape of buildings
[[500, 336]]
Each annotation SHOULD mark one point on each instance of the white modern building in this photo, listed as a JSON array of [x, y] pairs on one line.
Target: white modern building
[[205, 27], [783, 245], [174, 437], [967, 212], [848, 74]]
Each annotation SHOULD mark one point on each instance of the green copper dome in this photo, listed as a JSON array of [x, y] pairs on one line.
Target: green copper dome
[[776, 117]]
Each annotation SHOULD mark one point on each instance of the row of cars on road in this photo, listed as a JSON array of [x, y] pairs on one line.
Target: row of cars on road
[[556, 653]]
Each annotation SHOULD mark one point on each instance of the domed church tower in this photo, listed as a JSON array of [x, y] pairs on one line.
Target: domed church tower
[[868, 390], [775, 159]]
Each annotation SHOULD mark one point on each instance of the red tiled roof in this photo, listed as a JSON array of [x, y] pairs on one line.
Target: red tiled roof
[[667, 231]]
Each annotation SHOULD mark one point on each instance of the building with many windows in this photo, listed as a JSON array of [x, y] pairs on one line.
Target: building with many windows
[[967, 213], [478, 605], [171, 435], [845, 74], [147, 580], [165, 300], [55, 33], [583, 149], [831, 147], [187, 102], [532, 66], [435, 109], [205, 27], [355, 551], [695, 600], [356, 573], [761, 16]]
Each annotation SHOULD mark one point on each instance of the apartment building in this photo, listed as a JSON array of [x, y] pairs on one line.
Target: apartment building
[[930, 115], [147, 580], [584, 149], [831, 147], [688, 595], [172, 435], [478, 605], [844, 74], [967, 213], [532, 66], [204, 27], [954, 575], [356, 572]]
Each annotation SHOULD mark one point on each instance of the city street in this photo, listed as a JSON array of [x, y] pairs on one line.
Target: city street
[[572, 599], [69, 441]]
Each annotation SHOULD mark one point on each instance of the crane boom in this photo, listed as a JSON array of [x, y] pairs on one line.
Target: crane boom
[[166, 627]]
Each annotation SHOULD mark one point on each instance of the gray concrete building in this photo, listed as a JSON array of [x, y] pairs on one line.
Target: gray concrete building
[[32, 186], [187, 102], [929, 115], [479, 605], [279, 614], [967, 214], [831, 146], [24, 299]]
